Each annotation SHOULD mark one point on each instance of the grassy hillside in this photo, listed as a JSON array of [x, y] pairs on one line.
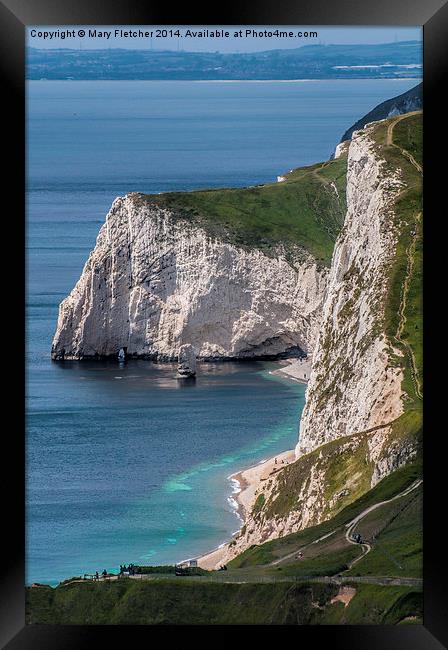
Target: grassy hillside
[[373, 605], [162, 602], [404, 309], [175, 602], [307, 209], [333, 554], [397, 534]]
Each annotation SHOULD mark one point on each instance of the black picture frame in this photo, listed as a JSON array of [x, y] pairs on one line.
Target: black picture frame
[[14, 16]]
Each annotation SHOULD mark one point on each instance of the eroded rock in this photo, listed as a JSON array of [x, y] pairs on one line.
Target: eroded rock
[[187, 361]]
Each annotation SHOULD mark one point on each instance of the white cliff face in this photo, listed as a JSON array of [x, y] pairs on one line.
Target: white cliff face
[[348, 437], [352, 386], [341, 149], [155, 282]]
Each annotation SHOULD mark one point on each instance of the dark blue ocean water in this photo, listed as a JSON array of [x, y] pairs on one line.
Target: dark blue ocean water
[[127, 464]]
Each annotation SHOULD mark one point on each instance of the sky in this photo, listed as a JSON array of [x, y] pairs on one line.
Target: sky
[[326, 36]]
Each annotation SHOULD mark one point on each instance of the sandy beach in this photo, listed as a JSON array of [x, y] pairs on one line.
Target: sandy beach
[[248, 482], [297, 369]]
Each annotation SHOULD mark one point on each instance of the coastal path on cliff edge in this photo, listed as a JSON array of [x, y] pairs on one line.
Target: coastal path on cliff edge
[[351, 526], [408, 155], [390, 142], [402, 319]]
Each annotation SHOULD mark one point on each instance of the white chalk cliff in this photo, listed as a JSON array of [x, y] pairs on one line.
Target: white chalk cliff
[[349, 439], [352, 385], [156, 281]]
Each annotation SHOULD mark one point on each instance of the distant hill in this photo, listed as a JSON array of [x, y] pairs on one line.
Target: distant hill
[[386, 60], [412, 100]]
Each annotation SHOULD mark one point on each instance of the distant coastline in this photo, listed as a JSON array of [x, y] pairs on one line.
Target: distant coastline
[[309, 61]]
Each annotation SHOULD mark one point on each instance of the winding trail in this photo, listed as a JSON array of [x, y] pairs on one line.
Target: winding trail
[[350, 528], [410, 261], [390, 139], [366, 546], [302, 548], [402, 321]]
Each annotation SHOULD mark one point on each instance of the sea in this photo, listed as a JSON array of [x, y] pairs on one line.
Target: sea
[[124, 462]]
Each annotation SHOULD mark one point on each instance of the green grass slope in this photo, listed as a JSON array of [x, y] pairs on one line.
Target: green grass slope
[[375, 605], [185, 602], [397, 537], [404, 309], [179, 601], [307, 209]]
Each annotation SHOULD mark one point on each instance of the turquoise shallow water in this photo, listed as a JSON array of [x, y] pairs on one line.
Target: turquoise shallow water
[[129, 464]]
